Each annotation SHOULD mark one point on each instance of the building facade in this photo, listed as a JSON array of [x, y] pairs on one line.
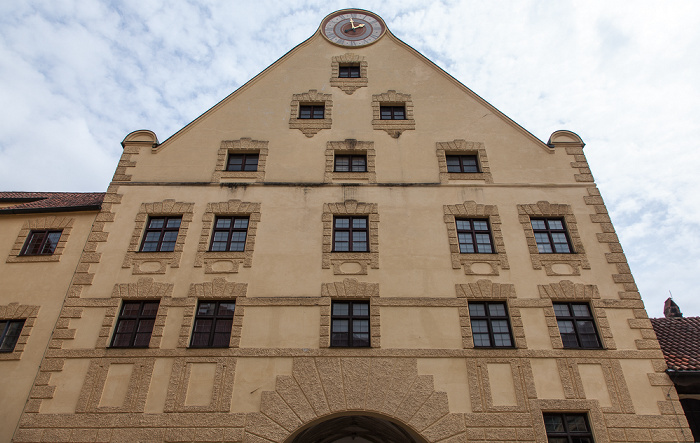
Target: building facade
[[353, 246]]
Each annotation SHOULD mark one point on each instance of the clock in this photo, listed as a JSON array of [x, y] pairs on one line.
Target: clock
[[352, 28]]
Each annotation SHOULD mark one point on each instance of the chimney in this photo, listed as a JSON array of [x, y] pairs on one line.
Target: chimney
[[671, 309]]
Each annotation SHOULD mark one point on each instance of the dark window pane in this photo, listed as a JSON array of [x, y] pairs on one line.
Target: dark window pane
[[490, 324], [350, 234], [341, 308], [213, 324], [161, 234], [229, 234], [350, 324], [473, 236], [135, 324]]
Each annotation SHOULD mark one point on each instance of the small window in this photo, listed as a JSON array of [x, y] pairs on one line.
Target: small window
[[229, 234], [551, 236], [311, 111], [135, 324], [242, 162], [490, 325], [393, 112], [212, 324], [349, 71], [41, 243], [567, 428], [350, 234], [474, 236], [161, 234], [9, 333], [462, 163], [350, 324], [576, 326], [350, 163]]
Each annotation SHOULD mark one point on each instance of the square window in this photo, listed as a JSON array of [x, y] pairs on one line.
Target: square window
[[161, 234], [474, 236], [567, 428], [490, 325], [576, 326], [349, 71], [551, 236], [350, 163], [350, 234], [9, 333], [392, 112], [350, 324], [212, 324], [242, 162], [311, 111], [135, 324], [229, 234], [462, 163], [41, 243]]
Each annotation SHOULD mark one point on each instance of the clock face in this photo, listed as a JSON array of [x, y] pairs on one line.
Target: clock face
[[352, 27]]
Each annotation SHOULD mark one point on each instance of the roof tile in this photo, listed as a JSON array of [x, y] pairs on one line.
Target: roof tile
[[39, 201], [679, 338]]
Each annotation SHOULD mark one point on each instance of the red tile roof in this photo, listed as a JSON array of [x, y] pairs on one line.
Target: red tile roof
[[679, 338], [49, 201]]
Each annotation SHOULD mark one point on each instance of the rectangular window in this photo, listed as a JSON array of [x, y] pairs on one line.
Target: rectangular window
[[350, 234], [474, 236], [462, 163], [551, 236], [349, 71], [393, 112], [490, 325], [9, 333], [311, 111], [350, 163], [212, 324], [567, 428], [350, 323], [41, 243], [576, 325], [161, 234], [135, 324], [242, 162], [229, 233]]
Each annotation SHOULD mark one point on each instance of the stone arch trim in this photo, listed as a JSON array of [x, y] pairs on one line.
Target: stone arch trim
[[348, 85], [350, 289], [324, 386]]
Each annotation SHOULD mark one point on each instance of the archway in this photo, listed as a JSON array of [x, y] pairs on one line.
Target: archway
[[355, 429]]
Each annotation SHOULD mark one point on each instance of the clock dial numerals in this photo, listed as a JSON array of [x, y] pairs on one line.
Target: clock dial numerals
[[352, 28]]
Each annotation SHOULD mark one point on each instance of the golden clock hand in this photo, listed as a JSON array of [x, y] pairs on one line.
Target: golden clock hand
[[352, 23]]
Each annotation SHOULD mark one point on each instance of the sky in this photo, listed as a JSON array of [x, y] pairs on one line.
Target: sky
[[76, 76]]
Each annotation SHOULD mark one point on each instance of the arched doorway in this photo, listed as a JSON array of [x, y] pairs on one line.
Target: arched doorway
[[355, 429]]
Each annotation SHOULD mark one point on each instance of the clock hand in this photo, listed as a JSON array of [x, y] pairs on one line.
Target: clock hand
[[352, 23]]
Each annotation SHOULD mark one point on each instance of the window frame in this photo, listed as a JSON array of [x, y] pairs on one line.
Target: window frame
[[461, 158], [392, 109], [137, 318], [351, 317], [568, 434], [162, 230], [572, 318], [42, 243], [312, 109], [473, 233], [215, 318], [350, 69], [489, 319], [350, 158], [350, 230], [4, 334], [549, 231], [230, 230], [245, 156]]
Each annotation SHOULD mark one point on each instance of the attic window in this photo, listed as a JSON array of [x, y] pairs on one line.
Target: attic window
[[349, 71], [311, 111]]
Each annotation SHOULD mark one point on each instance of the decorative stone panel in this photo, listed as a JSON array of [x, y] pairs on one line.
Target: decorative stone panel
[[485, 402], [241, 146], [351, 147], [219, 289], [350, 289], [392, 127], [486, 290], [310, 126], [348, 85], [470, 209], [180, 381], [543, 209], [63, 224], [95, 383], [463, 147], [161, 259], [225, 262], [15, 311], [340, 261]]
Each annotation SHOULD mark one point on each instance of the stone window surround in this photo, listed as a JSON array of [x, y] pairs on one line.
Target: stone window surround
[[16, 311], [471, 209], [64, 224], [310, 126], [353, 147], [240, 146], [352, 290], [577, 260], [363, 259], [591, 408], [462, 147], [348, 85], [208, 258], [392, 127], [136, 259]]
